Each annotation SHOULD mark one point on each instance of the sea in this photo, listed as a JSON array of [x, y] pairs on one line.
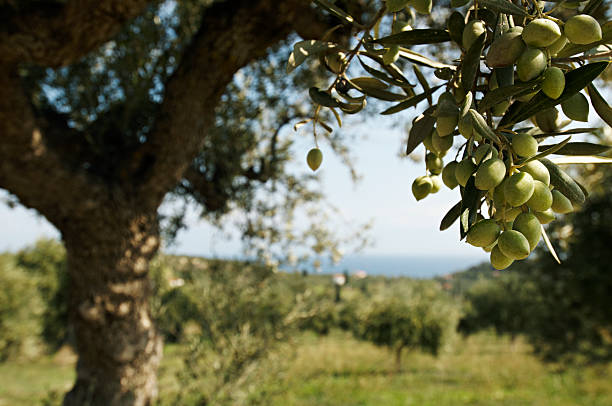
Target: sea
[[421, 267]]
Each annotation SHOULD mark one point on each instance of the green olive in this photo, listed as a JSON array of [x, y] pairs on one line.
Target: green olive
[[513, 244], [483, 233], [582, 29], [314, 158], [528, 225], [518, 189]]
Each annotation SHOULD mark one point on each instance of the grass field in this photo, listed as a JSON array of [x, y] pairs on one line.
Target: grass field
[[337, 370]]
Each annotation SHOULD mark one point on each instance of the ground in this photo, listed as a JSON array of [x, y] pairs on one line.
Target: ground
[[338, 370]]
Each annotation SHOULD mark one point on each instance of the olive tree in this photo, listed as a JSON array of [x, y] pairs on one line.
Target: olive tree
[[110, 105]]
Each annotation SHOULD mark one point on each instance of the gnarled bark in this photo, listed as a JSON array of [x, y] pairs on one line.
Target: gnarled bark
[[119, 348]]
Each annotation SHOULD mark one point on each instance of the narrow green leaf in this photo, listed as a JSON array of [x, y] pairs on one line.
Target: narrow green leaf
[[326, 126], [467, 103], [563, 182], [413, 101], [323, 98], [422, 60], [503, 6], [423, 83], [338, 119], [450, 217], [535, 132], [500, 94], [422, 126], [353, 108], [369, 82], [415, 37], [304, 49], [335, 10], [481, 126], [470, 202], [575, 81], [456, 25], [471, 63], [600, 105], [581, 148], [397, 78], [592, 6]]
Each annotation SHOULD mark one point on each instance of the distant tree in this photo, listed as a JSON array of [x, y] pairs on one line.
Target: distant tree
[[419, 318]]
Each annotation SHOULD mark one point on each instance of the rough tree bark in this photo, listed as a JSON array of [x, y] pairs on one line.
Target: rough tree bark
[[110, 226]]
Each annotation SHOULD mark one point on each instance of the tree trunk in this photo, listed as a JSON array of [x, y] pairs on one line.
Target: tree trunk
[[118, 345]]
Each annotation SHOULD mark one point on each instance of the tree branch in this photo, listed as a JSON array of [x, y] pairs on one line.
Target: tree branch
[[232, 34], [37, 176], [57, 34]]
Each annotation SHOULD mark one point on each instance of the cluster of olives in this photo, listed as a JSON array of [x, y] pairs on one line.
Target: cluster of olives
[[519, 196], [515, 185]]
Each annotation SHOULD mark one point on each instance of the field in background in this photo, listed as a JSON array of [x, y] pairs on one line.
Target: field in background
[[339, 370]]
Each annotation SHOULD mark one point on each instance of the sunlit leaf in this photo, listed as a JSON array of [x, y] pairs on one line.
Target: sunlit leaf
[[563, 182], [422, 60], [581, 148], [304, 49], [415, 37], [547, 150], [581, 160], [549, 245], [413, 101]]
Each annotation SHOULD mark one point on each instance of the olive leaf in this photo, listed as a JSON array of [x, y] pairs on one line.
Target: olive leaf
[[415, 37], [323, 98], [500, 94], [503, 6], [450, 217], [413, 101], [421, 127], [575, 81], [467, 103], [563, 182], [592, 6], [423, 83], [304, 49], [456, 25], [335, 10], [549, 245], [600, 105], [471, 62], [582, 160], [380, 75], [422, 60], [581, 148], [301, 123], [397, 77], [369, 82], [481, 126], [470, 202], [504, 76]]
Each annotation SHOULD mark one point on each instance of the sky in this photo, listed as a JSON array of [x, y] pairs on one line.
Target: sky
[[401, 226]]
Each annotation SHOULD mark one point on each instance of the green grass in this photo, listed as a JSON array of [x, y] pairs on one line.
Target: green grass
[[338, 370]]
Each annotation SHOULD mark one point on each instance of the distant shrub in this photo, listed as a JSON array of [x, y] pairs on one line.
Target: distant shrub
[[45, 263], [418, 318], [21, 308]]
